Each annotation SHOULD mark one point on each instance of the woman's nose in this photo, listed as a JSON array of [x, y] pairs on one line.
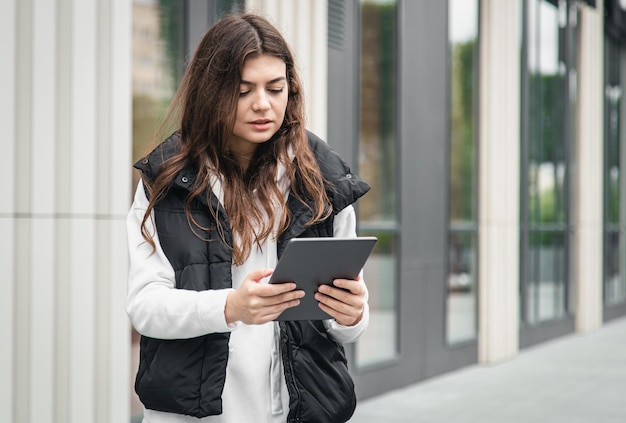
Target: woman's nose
[[261, 103]]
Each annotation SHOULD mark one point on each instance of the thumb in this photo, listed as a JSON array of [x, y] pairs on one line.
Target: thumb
[[259, 274]]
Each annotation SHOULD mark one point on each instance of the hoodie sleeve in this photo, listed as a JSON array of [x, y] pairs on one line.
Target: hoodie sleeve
[[345, 227], [155, 307]]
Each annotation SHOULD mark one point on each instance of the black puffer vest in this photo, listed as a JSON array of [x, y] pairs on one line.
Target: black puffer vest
[[187, 376]]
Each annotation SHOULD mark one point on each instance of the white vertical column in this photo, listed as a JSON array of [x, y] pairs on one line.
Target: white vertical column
[[63, 174], [41, 260], [22, 224], [588, 237], [67, 139], [304, 26], [254, 6], [120, 175], [499, 145], [113, 164], [82, 187], [103, 225], [317, 94], [8, 28]]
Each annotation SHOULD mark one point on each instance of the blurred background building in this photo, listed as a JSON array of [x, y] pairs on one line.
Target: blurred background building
[[491, 131]]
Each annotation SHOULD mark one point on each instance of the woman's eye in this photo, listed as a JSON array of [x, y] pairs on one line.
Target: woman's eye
[[276, 90], [243, 93]]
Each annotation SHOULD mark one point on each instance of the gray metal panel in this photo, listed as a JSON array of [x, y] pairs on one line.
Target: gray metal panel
[[424, 123], [424, 131], [199, 15], [614, 312], [542, 332], [343, 78]]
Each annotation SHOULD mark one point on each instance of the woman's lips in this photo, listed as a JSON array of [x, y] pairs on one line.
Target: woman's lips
[[261, 124]]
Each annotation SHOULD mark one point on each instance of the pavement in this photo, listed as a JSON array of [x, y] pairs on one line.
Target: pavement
[[578, 378]]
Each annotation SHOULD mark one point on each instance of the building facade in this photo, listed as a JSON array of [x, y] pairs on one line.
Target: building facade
[[491, 132]]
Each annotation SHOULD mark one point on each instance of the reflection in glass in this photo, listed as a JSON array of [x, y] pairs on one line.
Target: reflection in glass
[[377, 164], [461, 324], [614, 286], [614, 184], [544, 289], [461, 319], [546, 293], [157, 65], [380, 340]]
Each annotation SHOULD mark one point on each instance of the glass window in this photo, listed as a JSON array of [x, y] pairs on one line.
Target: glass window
[[545, 219], [614, 219], [461, 307], [157, 65], [377, 165]]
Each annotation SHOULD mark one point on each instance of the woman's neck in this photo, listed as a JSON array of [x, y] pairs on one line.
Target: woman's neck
[[243, 154]]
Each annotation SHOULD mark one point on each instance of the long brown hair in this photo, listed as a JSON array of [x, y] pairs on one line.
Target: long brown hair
[[204, 109]]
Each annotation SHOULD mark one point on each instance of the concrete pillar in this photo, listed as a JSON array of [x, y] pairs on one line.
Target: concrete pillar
[[8, 50], [499, 149], [65, 193], [588, 207]]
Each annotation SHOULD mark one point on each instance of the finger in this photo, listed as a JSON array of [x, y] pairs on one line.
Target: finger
[[263, 301], [352, 306], [341, 318], [272, 312], [345, 291], [271, 290], [259, 274], [354, 286], [291, 295], [271, 298]]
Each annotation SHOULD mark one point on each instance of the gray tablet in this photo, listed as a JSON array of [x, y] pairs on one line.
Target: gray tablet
[[310, 262]]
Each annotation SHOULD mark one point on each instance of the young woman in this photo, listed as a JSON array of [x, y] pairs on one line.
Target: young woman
[[218, 200]]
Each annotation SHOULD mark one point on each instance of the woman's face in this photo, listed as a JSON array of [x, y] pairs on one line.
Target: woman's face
[[263, 95]]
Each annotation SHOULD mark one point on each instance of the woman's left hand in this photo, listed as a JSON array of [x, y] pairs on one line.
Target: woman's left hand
[[345, 300]]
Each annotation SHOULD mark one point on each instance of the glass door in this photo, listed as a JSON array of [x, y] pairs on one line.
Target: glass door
[[614, 182], [377, 164], [548, 92], [462, 283], [392, 122]]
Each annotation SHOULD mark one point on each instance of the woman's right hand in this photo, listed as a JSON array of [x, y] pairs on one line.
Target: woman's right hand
[[255, 303]]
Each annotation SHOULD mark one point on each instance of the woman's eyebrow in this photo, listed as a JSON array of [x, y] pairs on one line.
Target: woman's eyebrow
[[273, 81]]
